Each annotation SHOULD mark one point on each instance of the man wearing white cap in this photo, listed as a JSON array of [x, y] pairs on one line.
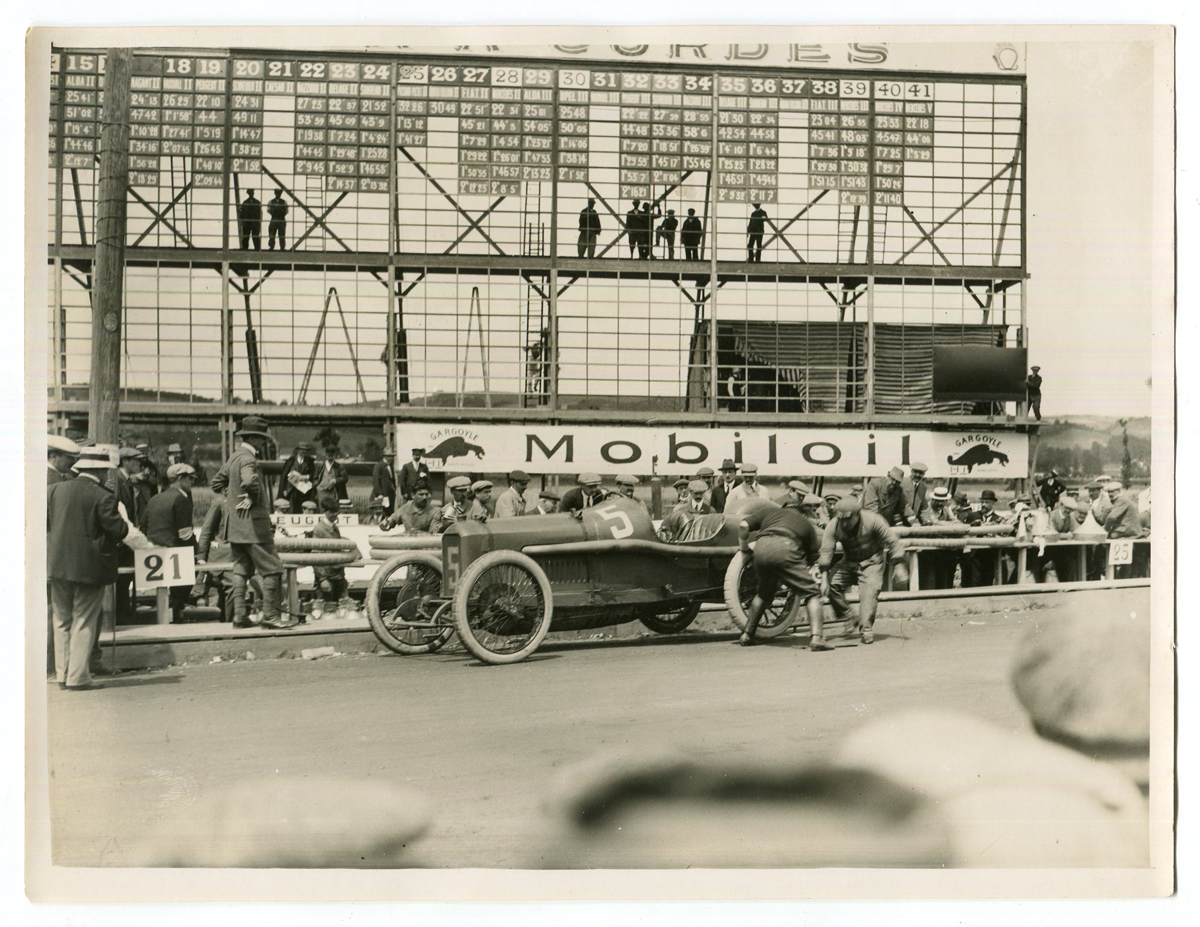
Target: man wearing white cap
[[61, 454], [511, 502], [626, 484], [84, 530], [481, 509], [167, 522], [585, 495], [749, 488], [865, 538], [459, 506], [675, 525]]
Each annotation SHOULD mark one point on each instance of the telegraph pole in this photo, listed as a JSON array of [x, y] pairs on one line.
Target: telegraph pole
[[103, 404]]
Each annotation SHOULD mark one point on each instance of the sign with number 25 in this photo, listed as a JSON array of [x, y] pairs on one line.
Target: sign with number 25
[[165, 566]]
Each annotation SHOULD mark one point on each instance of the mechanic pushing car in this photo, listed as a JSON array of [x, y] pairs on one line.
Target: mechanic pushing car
[[784, 553]]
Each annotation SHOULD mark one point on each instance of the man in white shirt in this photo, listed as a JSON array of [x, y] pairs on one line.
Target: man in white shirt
[[511, 502], [749, 488]]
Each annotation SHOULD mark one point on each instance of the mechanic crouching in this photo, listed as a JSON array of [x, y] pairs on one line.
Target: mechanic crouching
[[784, 553], [864, 537]]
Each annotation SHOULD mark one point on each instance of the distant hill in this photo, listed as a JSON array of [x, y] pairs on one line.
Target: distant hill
[[1084, 446]]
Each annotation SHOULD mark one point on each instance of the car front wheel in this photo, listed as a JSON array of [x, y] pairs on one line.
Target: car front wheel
[[502, 607]]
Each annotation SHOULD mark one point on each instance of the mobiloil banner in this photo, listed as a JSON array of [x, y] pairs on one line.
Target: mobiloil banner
[[570, 449]]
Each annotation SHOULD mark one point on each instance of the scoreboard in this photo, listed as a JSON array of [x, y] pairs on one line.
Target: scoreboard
[[753, 135]]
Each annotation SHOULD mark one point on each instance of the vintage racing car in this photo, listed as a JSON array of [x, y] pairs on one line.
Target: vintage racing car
[[502, 585]]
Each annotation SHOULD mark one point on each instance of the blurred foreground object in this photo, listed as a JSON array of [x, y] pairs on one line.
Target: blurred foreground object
[[1012, 799], [670, 813], [293, 823]]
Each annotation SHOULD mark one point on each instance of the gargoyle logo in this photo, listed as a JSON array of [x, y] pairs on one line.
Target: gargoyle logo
[[977, 456], [454, 447]]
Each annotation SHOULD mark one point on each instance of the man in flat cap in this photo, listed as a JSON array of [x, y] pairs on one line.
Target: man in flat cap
[[709, 476], [1099, 501], [547, 503], [83, 532], [682, 496], [298, 478], [886, 496], [147, 482], [482, 507], [810, 508], [917, 490], [1033, 392], [511, 502], [331, 477], [412, 473], [719, 493], [865, 538], [167, 522], [61, 454], [585, 495], [675, 525], [830, 501], [459, 506], [784, 553], [1122, 521], [247, 525], [419, 515], [383, 482], [749, 488], [626, 484]]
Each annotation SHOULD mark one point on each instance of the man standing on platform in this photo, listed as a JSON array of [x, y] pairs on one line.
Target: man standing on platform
[[1052, 487], [83, 530], [511, 502], [589, 229], [633, 220], [885, 496], [167, 522], [1033, 392], [383, 482], [754, 234], [249, 213], [413, 473], [247, 525], [666, 233], [691, 236], [865, 538], [278, 210]]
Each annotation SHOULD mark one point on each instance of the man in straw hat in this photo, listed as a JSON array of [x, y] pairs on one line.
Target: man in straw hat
[[84, 530], [865, 538], [247, 525], [61, 454]]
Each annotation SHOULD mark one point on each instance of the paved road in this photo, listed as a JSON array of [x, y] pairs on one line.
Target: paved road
[[488, 742]]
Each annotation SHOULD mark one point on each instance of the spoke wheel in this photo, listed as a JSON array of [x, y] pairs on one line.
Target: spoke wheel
[[407, 589], [672, 620], [502, 607], [741, 583]]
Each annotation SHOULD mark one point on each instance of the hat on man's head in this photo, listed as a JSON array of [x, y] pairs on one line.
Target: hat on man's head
[[180, 469], [458, 482], [1114, 486], [811, 499], [896, 473], [919, 467], [143, 447], [305, 446], [549, 494], [987, 496], [389, 452], [833, 495], [1067, 502], [255, 425], [418, 450], [960, 498], [62, 445], [174, 449], [1026, 498], [281, 504], [1094, 484], [1035, 368], [848, 506], [480, 485], [728, 464], [705, 472], [749, 469], [518, 476], [589, 479], [130, 453], [802, 488], [941, 494], [308, 505], [682, 481], [697, 486], [628, 479], [97, 457]]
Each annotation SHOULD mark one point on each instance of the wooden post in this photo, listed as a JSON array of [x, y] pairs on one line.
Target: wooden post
[[104, 396], [162, 606]]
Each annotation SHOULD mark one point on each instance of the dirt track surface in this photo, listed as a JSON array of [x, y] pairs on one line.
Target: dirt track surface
[[487, 743]]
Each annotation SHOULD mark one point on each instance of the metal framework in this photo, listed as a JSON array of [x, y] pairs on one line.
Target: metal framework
[[833, 323]]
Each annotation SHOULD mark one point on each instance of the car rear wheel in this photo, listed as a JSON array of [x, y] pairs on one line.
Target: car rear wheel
[[672, 620], [502, 607], [741, 583], [406, 589]]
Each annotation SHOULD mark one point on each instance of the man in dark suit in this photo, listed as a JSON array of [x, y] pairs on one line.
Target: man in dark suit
[[332, 478], [413, 473], [693, 232], [304, 465], [247, 525], [122, 483], [585, 495], [61, 456], [83, 530], [729, 480], [167, 522], [383, 482]]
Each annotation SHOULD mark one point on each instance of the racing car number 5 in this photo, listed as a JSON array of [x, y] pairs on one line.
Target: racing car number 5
[[623, 528]]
